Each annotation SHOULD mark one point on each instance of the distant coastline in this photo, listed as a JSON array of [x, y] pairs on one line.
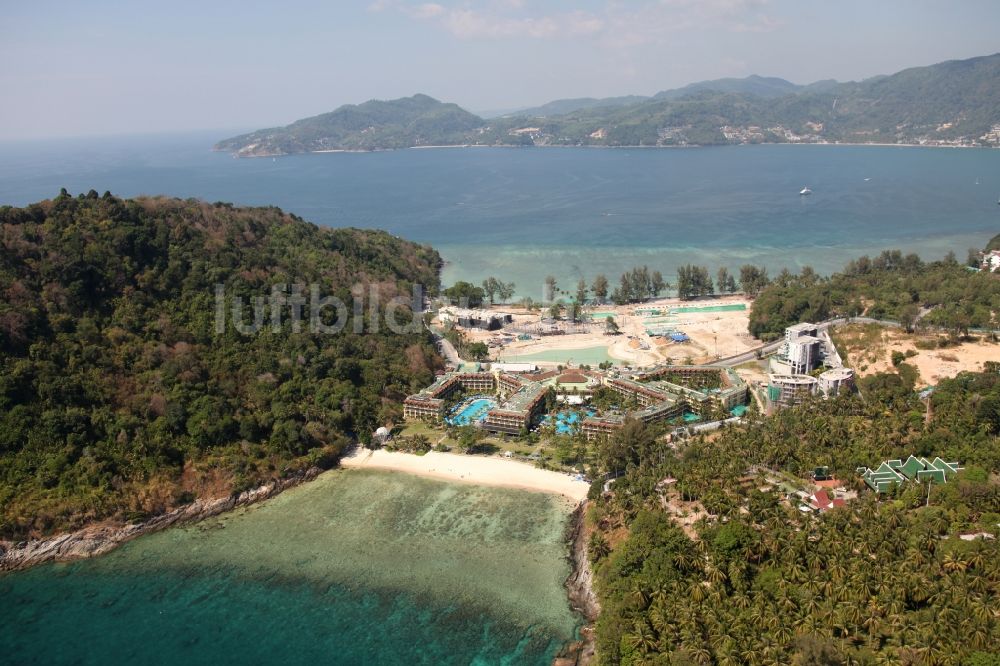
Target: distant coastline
[[595, 147]]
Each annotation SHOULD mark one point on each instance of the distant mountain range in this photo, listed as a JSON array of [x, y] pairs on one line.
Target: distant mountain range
[[950, 103]]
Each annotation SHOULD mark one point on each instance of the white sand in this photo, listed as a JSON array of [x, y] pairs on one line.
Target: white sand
[[489, 471]]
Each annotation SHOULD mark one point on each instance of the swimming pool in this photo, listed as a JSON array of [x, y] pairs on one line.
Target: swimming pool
[[472, 411], [732, 307], [566, 420]]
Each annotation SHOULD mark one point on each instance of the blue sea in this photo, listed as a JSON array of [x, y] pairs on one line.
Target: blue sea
[[381, 568], [356, 567], [522, 213]]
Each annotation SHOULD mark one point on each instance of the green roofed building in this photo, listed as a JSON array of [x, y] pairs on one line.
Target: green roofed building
[[893, 472]]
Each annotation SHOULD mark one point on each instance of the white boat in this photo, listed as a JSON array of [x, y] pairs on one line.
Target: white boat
[[805, 191]]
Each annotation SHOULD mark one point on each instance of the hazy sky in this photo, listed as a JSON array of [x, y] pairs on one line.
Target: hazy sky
[[105, 67]]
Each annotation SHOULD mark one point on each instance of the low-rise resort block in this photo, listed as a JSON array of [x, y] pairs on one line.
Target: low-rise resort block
[[896, 472], [661, 393]]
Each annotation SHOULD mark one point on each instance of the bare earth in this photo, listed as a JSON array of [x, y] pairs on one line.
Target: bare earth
[[712, 334], [871, 352], [492, 471]]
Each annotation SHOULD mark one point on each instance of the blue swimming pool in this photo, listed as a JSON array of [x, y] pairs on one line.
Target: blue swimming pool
[[566, 420], [471, 411]]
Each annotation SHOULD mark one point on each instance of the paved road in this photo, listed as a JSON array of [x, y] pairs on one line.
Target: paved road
[[446, 348], [771, 347]]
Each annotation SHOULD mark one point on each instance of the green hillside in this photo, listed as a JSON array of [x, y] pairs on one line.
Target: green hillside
[[119, 399], [941, 103], [401, 123]]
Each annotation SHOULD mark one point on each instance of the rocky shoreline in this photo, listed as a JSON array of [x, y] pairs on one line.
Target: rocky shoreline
[[99, 539], [580, 590]]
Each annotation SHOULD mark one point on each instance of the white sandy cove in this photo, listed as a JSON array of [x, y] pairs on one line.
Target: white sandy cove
[[470, 469]]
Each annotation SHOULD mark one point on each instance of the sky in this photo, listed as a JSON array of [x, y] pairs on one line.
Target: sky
[[70, 68]]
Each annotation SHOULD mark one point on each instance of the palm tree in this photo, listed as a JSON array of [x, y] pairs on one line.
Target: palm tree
[[953, 562], [642, 638]]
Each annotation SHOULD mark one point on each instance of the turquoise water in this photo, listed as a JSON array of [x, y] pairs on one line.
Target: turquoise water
[[566, 420], [585, 356], [520, 214], [356, 567], [474, 411]]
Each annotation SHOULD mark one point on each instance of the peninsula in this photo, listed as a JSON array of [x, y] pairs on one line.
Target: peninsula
[[949, 104]]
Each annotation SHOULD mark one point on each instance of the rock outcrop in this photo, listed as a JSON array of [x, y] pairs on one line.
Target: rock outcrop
[[580, 589], [99, 539]]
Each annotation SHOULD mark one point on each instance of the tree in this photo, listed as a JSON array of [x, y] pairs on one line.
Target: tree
[[658, 283], [506, 291], [752, 279], [477, 351], [908, 316], [464, 294], [693, 281], [573, 311], [610, 326], [600, 288], [722, 279], [581, 291], [550, 288], [556, 310], [491, 286]]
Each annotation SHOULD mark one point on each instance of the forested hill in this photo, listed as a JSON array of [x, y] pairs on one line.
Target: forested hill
[[950, 103], [375, 125], [118, 398], [890, 286], [955, 101]]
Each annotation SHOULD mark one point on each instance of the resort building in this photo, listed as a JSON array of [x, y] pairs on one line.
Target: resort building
[[429, 404], [422, 407], [660, 394], [805, 349], [787, 390], [518, 411], [832, 382], [521, 400], [595, 427], [485, 319], [662, 397], [821, 502], [990, 261], [513, 367], [895, 472]]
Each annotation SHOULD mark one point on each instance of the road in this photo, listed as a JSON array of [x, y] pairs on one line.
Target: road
[[772, 347], [446, 348]]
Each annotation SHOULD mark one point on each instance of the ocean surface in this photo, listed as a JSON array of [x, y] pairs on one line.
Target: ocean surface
[[520, 214], [357, 567]]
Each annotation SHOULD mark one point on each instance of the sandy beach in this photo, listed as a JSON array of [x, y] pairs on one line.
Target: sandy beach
[[492, 471]]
